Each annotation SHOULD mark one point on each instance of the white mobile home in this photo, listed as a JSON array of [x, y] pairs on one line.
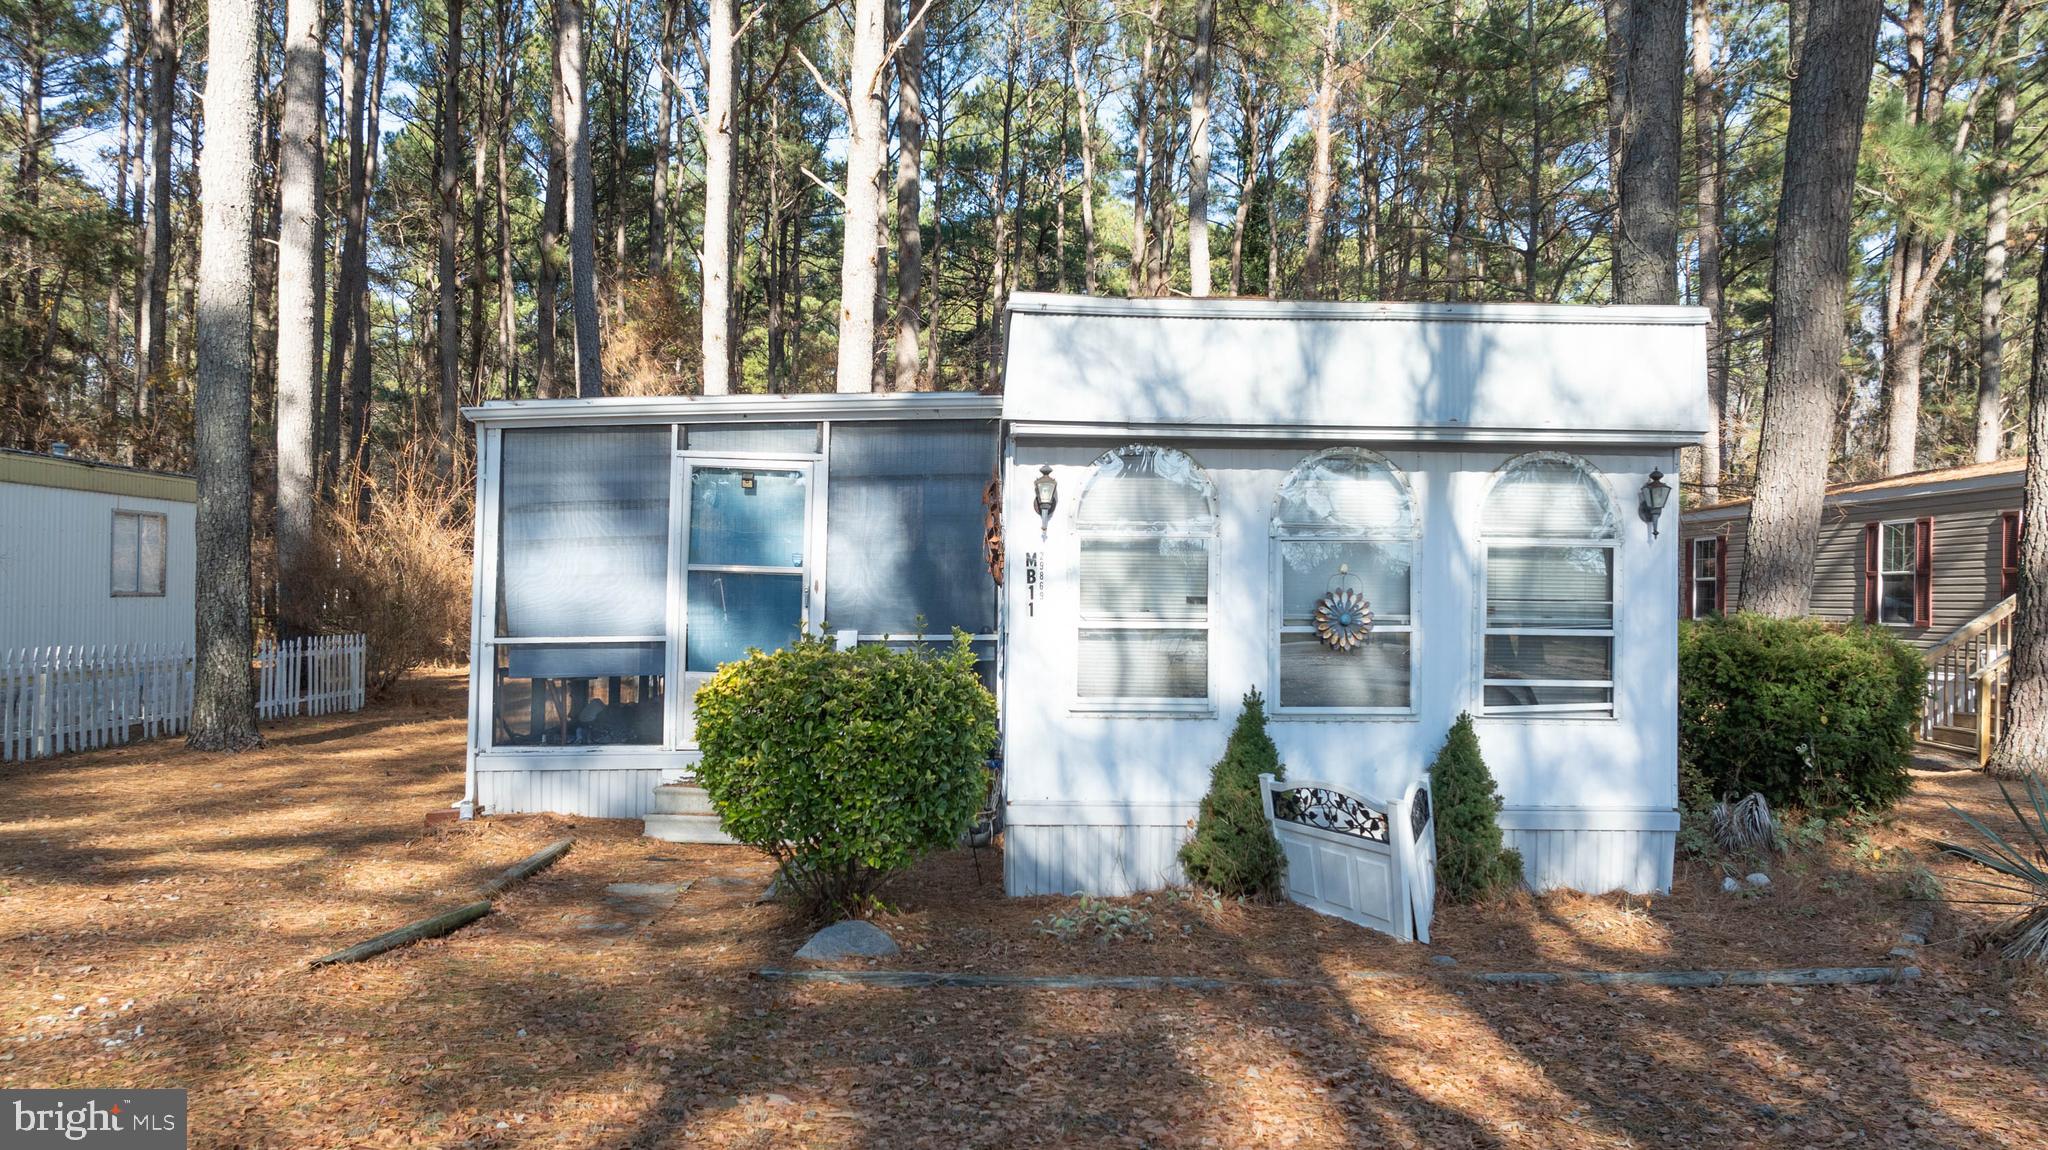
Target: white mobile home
[[93, 554], [1184, 484]]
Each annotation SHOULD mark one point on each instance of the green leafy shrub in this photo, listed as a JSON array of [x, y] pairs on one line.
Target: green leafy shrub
[[846, 766], [1233, 850], [1471, 863], [1808, 714]]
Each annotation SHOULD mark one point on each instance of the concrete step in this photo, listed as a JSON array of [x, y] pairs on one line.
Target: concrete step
[[682, 799], [686, 828]]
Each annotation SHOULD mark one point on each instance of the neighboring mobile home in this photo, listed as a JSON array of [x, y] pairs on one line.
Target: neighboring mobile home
[[1923, 553], [1933, 556], [93, 554], [1183, 484]]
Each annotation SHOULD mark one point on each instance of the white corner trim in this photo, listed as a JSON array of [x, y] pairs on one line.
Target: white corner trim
[[1589, 819]]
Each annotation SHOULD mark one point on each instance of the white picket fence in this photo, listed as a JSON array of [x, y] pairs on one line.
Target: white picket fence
[[59, 699]]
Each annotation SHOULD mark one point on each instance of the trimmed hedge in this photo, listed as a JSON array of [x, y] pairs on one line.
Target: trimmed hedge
[[1471, 863], [1234, 851], [846, 766], [1806, 713]]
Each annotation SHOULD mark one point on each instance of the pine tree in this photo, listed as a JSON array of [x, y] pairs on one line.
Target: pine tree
[[1471, 863], [1233, 850]]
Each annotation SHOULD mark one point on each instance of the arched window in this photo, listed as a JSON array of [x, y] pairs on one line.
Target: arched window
[[1147, 526], [1344, 523], [1550, 534]]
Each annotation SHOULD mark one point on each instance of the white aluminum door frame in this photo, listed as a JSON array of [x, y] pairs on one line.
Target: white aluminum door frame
[[687, 463]]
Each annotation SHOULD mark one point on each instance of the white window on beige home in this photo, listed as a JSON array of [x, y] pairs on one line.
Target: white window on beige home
[[1548, 632], [1147, 528], [1706, 576], [1345, 523], [138, 562]]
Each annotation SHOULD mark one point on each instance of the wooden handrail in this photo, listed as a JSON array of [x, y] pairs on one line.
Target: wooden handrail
[[1991, 684], [1998, 613]]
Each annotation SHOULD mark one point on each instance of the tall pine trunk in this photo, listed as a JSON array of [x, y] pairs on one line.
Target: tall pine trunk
[[866, 143], [223, 695], [299, 274], [153, 335], [582, 207], [2023, 747], [909, 194], [357, 22], [508, 303], [1203, 70], [1646, 242], [664, 130], [1706, 126], [1084, 119], [1322, 179], [1991, 309], [547, 304], [718, 176], [448, 314], [1809, 279]]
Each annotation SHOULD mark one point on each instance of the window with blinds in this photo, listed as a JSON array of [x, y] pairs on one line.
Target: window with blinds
[[1147, 524], [138, 554], [1344, 520], [1550, 535]]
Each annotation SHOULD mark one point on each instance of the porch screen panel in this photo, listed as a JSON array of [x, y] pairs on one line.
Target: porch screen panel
[[753, 438], [583, 532], [905, 525]]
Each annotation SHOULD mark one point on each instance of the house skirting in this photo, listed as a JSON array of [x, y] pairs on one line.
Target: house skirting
[[1093, 848], [1109, 849], [597, 784], [1596, 851]]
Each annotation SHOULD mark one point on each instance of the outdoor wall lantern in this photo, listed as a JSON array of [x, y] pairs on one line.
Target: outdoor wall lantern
[[1045, 495], [1656, 493]]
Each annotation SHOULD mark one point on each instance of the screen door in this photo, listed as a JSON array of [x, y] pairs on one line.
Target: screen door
[[745, 565]]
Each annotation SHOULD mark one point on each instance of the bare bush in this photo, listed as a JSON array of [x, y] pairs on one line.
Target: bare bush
[[399, 573]]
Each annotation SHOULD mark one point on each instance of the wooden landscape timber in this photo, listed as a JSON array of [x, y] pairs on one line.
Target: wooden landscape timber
[[449, 921]]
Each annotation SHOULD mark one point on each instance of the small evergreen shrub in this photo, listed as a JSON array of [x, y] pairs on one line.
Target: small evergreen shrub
[[1233, 851], [1471, 863], [846, 767], [1807, 714]]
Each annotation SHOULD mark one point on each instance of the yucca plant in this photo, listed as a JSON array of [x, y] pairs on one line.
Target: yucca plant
[[2022, 871]]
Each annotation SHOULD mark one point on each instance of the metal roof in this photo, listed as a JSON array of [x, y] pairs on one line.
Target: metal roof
[[736, 408]]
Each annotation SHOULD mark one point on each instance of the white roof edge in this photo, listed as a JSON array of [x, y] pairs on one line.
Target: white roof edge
[[713, 408], [1609, 437], [1053, 303]]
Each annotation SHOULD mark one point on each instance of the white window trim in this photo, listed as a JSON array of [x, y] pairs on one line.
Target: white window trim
[[1276, 623], [1083, 621], [1582, 712], [1712, 577], [1911, 574], [163, 572]]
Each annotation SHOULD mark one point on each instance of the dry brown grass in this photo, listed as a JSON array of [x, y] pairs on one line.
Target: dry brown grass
[[187, 890], [400, 575]]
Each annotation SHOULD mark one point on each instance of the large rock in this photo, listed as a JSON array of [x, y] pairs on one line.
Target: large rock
[[850, 939]]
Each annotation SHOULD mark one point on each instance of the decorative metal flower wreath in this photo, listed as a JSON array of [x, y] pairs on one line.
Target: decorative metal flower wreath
[[1343, 618]]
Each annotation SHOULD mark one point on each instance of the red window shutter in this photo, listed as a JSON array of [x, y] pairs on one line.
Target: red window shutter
[[1923, 572], [2008, 554], [1721, 575], [1685, 579], [1870, 533]]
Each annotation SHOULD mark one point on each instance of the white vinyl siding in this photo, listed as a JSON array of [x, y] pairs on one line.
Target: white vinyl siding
[[1548, 627], [1147, 545], [138, 553]]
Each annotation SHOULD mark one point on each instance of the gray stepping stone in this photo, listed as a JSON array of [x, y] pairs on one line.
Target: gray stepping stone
[[850, 939]]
